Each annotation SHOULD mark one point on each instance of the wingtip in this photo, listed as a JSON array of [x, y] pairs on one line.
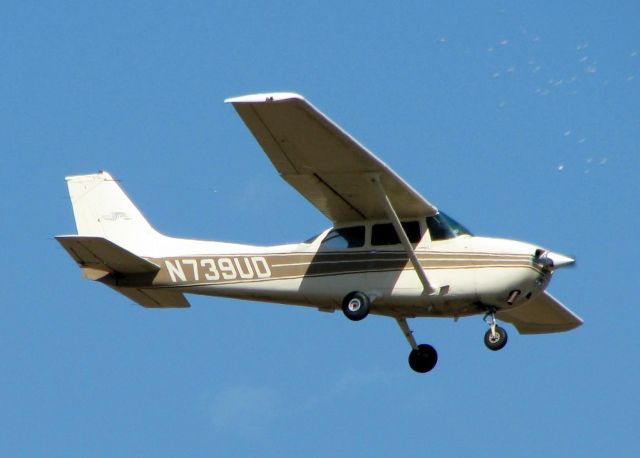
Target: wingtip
[[265, 97]]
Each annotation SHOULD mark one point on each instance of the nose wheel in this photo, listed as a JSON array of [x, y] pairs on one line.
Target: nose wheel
[[496, 337]]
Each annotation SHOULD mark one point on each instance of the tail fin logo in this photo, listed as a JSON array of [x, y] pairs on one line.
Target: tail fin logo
[[115, 216]]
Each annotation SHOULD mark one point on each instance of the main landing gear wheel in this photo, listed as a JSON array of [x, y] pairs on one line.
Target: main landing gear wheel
[[356, 306], [495, 339], [423, 359]]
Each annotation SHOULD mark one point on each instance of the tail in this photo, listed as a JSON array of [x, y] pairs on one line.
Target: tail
[[102, 209], [113, 235], [103, 260]]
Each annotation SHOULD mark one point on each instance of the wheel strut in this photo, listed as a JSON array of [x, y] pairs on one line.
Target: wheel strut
[[408, 333], [490, 319]]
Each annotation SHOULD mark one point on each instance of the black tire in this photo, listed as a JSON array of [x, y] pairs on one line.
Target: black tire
[[423, 359], [355, 306], [498, 341]]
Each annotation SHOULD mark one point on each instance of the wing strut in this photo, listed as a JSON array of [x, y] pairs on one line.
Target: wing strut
[[402, 235]]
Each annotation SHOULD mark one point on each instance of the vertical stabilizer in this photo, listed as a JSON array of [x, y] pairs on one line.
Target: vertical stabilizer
[[101, 208]]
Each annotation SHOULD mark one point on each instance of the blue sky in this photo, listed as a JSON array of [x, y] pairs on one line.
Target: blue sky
[[520, 121]]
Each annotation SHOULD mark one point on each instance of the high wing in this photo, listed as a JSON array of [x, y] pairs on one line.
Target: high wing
[[542, 314], [324, 163]]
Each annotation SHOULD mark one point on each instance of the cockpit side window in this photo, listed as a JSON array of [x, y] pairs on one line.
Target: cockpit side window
[[443, 227], [385, 234], [344, 237]]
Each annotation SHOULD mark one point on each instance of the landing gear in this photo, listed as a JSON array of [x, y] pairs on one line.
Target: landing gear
[[423, 357], [496, 340], [496, 337], [356, 306]]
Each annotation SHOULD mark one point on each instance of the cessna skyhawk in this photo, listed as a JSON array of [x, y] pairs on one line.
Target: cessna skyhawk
[[389, 252]]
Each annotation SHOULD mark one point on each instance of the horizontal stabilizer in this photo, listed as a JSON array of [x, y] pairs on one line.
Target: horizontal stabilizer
[[542, 314], [101, 254], [154, 298]]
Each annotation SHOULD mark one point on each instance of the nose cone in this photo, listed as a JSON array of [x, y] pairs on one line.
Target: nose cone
[[560, 260]]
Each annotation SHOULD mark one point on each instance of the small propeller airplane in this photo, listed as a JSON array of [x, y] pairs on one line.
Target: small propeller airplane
[[390, 252]]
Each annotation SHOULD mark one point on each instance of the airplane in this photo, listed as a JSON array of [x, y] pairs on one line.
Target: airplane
[[389, 252]]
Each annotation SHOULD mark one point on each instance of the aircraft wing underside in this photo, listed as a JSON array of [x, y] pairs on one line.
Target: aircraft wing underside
[[540, 315], [324, 163]]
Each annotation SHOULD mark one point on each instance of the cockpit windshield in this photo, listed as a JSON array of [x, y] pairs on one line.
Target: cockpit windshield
[[311, 239], [443, 227]]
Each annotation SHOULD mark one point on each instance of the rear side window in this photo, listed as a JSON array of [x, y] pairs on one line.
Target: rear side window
[[385, 234], [344, 237]]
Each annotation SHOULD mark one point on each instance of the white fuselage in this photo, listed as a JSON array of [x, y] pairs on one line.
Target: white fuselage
[[470, 274]]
